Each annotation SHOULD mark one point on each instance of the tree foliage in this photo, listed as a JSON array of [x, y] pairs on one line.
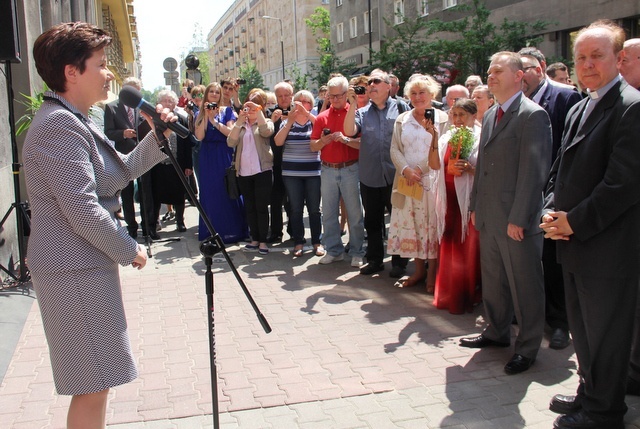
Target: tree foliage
[[329, 62], [299, 80], [251, 74], [460, 47]]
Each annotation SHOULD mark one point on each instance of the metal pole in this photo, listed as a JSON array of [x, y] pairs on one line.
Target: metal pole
[[282, 46]]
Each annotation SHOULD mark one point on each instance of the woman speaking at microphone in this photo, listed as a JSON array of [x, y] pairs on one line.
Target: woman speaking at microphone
[[74, 177]]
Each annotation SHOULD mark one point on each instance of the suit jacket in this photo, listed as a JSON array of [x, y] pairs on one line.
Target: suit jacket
[[116, 121], [512, 169], [596, 180], [557, 101]]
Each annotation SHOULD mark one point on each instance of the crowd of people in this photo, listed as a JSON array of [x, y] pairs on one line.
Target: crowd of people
[[522, 193]]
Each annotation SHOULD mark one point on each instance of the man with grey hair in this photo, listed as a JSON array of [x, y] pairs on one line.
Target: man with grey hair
[[453, 93], [339, 176], [472, 82], [126, 127], [374, 122]]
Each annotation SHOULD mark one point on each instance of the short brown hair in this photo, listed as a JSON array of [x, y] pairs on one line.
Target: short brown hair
[[71, 43], [258, 96]]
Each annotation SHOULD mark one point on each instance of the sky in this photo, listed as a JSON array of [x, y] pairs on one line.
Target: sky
[[166, 29]]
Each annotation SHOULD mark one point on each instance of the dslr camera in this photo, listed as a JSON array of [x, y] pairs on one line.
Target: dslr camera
[[360, 90], [211, 106], [240, 81]]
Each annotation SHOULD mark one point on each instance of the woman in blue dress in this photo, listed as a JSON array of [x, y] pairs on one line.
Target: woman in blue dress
[[212, 127]]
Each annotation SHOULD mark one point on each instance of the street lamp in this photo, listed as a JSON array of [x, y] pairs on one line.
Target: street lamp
[[281, 39]]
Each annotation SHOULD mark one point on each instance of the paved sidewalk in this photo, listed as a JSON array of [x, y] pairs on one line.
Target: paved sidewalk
[[346, 351]]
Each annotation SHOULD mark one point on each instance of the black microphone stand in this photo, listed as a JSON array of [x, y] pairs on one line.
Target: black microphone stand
[[22, 218], [208, 248]]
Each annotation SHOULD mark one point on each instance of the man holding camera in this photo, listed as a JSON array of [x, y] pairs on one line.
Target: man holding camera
[[375, 123], [284, 95], [339, 176]]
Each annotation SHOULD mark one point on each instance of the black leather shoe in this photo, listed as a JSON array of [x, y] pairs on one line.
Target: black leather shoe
[[371, 267], [133, 234], [397, 272], [180, 227], [580, 420], [154, 235], [518, 364], [633, 387], [274, 239], [559, 339], [481, 341], [565, 404]]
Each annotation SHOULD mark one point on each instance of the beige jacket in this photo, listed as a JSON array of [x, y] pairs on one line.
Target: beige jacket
[[262, 135]]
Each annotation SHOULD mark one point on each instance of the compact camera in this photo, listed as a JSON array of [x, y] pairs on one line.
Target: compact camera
[[191, 105], [246, 110], [241, 81], [429, 114], [360, 90], [211, 106], [285, 112]]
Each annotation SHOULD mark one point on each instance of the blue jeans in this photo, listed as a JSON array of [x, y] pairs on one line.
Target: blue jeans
[[343, 182], [301, 190]]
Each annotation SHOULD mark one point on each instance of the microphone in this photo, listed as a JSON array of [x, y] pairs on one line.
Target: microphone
[[133, 98]]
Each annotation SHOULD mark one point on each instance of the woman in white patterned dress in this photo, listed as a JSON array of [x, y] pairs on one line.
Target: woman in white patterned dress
[[74, 177], [415, 227]]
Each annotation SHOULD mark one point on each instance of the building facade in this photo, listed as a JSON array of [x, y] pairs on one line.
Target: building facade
[[272, 34], [33, 17], [357, 26]]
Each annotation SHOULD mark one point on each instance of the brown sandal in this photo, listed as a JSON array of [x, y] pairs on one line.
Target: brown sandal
[[407, 282], [297, 252]]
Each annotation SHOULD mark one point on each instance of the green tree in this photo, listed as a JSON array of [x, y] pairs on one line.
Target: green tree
[[330, 62], [251, 74], [299, 80], [463, 46]]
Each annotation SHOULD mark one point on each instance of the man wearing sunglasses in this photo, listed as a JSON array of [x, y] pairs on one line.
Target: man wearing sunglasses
[[375, 123]]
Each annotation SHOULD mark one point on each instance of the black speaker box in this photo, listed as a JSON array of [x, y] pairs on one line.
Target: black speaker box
[[9, 40]]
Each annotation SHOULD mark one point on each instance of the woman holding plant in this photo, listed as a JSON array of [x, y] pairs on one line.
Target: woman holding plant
[[457, 282]]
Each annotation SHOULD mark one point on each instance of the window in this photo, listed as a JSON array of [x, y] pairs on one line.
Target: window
[[339, 33], [353, 27], [366, 23], [338, 3], [398, 11], [325, 1], [424, 7], [449, 3]]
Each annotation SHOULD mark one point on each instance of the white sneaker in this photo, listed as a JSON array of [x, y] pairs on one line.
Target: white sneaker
[[356, 261], [327, 259]]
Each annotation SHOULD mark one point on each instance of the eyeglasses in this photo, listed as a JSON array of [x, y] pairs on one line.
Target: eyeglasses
[[336, 96], [376, 80]]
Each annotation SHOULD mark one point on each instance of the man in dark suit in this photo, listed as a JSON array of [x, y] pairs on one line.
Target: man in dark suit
[[125, 126], [506, 199], [557, 101], [592, 209]]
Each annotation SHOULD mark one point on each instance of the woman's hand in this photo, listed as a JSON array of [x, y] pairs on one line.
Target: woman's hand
[[430, 127], [141, 258], [412, 175], [463, 166], [242, 116]]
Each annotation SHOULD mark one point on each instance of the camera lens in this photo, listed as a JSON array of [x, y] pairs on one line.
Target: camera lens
[[360, 90]]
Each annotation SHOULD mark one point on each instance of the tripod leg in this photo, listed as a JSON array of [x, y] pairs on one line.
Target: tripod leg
[[212, 341]]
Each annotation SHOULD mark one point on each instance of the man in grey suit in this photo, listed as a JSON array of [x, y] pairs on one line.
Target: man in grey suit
[[592, 209], [506, 199]]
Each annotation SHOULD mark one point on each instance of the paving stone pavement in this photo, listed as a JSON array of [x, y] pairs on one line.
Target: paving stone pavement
[[346, 351]]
